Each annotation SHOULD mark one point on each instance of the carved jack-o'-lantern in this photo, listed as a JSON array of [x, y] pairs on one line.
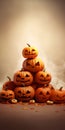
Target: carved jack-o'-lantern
[[6, 94], [42, 77], [9, 85], [23, 77], [33, 65], [58, 95], [29, 52], [42, 94], [24, 93]]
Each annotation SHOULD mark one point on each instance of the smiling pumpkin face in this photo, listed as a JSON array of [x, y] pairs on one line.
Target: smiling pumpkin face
[[42, 77], [24, 93], [33, 65], [58, 95], [6, 95], [23, 77], [42, 94], [29, 52]]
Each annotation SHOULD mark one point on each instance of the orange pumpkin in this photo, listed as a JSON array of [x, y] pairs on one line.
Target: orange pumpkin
[[33, 65], [6, 95], [9, 84], [29, 52], [24, 94], [42, 77], [58, 95], [23, 77], [42, 94]]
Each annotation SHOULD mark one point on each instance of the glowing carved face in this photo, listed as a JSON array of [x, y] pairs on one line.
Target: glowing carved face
[[24, 93], [42, 77], [9, 94], [42, 94], [33, 65], [58, 95], [29, 52], [23, 77]]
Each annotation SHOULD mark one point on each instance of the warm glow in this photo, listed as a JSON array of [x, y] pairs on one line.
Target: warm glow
[[38, 23]]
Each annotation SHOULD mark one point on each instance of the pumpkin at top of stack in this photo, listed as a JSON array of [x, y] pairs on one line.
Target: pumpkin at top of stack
[[29, 52], [32, 63]]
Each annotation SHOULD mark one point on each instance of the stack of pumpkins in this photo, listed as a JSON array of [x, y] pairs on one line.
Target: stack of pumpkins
[[31, 82]]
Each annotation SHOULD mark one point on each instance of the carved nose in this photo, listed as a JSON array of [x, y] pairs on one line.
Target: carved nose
[[22, 78], [23, 94]]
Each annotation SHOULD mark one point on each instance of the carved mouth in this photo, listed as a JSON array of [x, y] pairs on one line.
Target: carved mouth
[[22, 81], [24, 97], [43, 80], [30, 54]]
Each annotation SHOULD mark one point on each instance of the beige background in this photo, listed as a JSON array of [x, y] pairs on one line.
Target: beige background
[[38, 22]]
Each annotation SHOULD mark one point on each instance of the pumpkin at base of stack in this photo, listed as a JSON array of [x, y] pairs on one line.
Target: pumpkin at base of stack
[[24, 94], [6, 95], [42, 94], [57, 95]]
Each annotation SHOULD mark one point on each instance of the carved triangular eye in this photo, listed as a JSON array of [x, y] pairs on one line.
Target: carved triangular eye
[[41, 75], [18, 75], [47, 75], [27, 75], [33, 49], [2, 94], [37, 63], [28, 92], [27, 63], [40, 93], [19, 91], [47, 93], [26, 50]]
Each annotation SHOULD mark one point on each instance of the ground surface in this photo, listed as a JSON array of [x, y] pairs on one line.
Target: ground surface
[[32, 117]]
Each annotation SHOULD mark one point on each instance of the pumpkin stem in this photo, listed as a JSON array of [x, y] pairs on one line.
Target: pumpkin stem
[[28, 45], [21, 69], [9, 78], [44, 70], [52, 87], [61, 88]]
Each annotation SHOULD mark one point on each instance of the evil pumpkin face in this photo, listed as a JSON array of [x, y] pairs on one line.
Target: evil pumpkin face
[[9, 94], [42, 94], [29, 52], [24, 93], [9, 85], [58, 95], [23, 77], [42, 77], [33, 65]]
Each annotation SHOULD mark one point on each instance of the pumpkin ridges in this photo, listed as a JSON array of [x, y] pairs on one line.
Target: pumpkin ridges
[[24, 93], [42, 94], [29, 52], [25, 77], [31, 65]]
